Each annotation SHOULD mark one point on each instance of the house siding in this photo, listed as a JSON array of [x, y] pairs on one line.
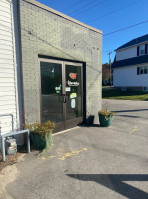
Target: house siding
[[127, 77], [126, 53], [127, 65], [8, 76], [46, 33]]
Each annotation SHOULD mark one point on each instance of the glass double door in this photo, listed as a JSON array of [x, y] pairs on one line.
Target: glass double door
[[61, 93]]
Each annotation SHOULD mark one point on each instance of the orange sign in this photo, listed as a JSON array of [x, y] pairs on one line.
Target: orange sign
[[73, 75]]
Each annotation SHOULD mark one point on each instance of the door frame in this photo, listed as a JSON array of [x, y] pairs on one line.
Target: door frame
[[66, 123], [73, 122]]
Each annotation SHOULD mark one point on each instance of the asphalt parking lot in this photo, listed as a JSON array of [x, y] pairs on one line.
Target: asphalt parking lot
[[91, 162]]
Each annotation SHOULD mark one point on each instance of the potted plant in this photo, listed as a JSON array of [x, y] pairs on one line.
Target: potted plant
[[41, 134], [105, 117]]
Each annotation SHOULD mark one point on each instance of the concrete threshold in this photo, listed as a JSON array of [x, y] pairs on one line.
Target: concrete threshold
[[65, 131]]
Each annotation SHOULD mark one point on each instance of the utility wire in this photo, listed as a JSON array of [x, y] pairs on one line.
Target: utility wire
[[114, 11], [78, 2], [126, 28], [80, 9], [104, 51], [92, 6]]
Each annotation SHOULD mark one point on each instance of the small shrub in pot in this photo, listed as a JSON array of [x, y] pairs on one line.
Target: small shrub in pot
[[41, 134]]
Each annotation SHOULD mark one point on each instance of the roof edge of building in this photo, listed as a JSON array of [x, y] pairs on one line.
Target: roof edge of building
[[134, 45], [134, 42], [40, 5], [130, 61]]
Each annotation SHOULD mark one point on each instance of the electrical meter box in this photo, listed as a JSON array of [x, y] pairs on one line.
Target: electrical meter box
[[10, 145]]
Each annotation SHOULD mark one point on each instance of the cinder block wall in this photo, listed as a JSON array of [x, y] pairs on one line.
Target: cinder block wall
[[46, 33]]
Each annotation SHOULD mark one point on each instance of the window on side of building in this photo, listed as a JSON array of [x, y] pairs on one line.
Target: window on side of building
[[143, 70], [142, 50]]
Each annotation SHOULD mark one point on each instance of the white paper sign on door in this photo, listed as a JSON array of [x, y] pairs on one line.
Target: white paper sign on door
[[73, 103], [68, 89]]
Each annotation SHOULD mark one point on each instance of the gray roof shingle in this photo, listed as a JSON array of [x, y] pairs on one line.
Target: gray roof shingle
[[134, 42]]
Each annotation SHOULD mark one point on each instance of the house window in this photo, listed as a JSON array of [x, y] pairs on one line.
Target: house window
[[142, 50], [145, 88], [143, 70]]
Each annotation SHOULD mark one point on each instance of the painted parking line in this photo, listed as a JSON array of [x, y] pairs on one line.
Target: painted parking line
[[62, 156], [134, 129]]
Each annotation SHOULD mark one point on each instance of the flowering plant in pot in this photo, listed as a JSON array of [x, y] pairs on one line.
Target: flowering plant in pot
[[105, 117], [41, 134]]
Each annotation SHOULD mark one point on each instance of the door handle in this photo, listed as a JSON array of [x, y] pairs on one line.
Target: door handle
[[64, 99], [67, 97]]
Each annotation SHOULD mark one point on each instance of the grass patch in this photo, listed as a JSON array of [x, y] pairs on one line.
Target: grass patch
[[124, 95]]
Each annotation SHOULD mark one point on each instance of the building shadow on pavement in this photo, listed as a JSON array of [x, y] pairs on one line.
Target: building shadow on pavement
[[129, 116], [136, 110], [90, 125], [117, 183]]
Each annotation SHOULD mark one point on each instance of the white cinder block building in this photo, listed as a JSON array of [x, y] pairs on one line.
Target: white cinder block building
[[130, 67]]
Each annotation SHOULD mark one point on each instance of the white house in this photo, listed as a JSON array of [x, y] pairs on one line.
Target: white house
[[130, 67], [10, 95]]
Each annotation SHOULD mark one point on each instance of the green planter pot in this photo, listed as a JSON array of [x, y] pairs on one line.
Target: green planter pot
[[104, 121], [39, 142]]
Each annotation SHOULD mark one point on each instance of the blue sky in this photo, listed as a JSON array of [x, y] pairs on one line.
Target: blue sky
[[108, 16]]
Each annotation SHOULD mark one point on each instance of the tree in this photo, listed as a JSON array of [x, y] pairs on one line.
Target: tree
[[106, 72]]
